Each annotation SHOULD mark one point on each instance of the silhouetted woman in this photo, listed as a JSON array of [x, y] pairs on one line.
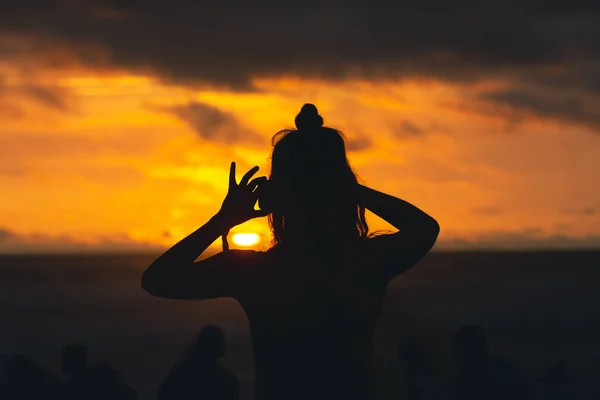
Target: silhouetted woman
[[314, 297]]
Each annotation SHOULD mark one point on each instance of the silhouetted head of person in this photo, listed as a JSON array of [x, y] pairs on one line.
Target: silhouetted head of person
[[210, 344], [312, 183], [74, 360], [470, 346]]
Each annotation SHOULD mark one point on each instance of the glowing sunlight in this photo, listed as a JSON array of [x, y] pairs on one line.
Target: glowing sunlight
[[246, 239]]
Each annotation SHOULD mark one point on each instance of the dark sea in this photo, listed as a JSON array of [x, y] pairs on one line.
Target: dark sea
[[536, 308]]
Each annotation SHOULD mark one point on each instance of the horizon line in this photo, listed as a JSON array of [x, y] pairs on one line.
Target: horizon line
[[133, 252]]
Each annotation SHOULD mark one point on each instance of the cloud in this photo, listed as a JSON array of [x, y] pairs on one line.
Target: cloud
[[589, 211], [48, 96], [409, 129], [199, 41], [213, 124], [576, 109], [551, 47], [532, 238], [5, 235], [13, 242], [360, 143]]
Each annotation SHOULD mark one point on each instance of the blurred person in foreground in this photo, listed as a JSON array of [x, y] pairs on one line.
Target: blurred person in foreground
[[483, 375], [198, 375]]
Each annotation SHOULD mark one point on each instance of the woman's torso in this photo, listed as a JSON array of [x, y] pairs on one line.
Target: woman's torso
[[311, 330]]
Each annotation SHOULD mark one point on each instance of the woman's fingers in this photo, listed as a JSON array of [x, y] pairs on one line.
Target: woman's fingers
[[248, 175], [232, 183], [255, 182]]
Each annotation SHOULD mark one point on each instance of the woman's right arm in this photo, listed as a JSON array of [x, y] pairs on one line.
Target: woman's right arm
[[175, 275], [417, 231]]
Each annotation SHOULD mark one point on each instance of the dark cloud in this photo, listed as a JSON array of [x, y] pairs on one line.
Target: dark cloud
[[50, 97], [5, 235], [530, 239], [213, 124], [359, 144], [549, 44], [205, 120], [577, 109], [227, 42], [408, 128], [586, 211]]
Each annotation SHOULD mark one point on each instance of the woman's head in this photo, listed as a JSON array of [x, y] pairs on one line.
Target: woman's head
[[313, 182]]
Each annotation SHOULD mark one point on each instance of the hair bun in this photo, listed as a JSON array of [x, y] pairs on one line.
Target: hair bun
[[308, 118]]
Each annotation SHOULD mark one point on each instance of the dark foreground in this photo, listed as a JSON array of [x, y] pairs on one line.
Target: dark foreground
[[536, 309]]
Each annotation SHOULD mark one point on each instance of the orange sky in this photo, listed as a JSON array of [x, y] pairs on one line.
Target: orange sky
[[109, 160]]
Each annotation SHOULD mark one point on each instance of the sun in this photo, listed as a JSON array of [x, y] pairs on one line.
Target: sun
[[246, 239]]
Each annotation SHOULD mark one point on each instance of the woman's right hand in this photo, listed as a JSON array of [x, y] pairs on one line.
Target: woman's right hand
[[238, 206]]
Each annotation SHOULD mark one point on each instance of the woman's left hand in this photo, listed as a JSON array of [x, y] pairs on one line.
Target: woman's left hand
[[238, 206]]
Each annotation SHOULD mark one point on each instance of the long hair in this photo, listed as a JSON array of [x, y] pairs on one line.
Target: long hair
[[310, 167]]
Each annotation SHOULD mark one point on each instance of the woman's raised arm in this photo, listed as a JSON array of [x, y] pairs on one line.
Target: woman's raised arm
[[176, 275], [418, 232]]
